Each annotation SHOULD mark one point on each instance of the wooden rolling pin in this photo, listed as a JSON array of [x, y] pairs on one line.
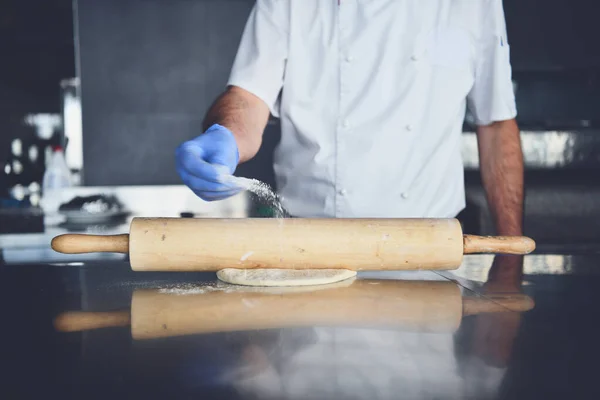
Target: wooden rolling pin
[[173, 244], [424, 306]]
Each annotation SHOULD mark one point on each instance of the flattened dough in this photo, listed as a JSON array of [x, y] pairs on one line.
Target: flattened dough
[[283, 277]]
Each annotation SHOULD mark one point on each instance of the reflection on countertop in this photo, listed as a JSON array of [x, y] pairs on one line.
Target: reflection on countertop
[[399, 334], [217, 307]]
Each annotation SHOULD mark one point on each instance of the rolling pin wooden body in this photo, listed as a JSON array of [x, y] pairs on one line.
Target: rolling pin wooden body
[[424, 306], [172, 244]]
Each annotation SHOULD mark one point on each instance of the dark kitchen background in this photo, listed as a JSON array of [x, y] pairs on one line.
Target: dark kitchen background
[[148, 70]]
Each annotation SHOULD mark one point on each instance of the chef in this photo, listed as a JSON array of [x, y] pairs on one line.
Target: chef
[[372, 96]]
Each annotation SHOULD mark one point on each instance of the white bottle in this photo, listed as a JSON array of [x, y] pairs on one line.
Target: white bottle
[[56, 178], [57, 175]]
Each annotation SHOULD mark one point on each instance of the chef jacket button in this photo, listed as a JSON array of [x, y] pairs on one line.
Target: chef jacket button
[[414, 57], [349, 58], [409, 127], [342, 192], [404, 195], [345, 123]]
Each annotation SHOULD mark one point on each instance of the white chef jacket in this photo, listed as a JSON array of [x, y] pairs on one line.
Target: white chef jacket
[[372, 97], [350, 363]]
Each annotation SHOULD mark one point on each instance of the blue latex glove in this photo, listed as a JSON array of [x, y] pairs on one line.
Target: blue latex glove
[[204, 162]]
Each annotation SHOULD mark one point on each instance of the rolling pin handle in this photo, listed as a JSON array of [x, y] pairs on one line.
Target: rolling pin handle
[[75, 321], [80, 244], [498, 244]]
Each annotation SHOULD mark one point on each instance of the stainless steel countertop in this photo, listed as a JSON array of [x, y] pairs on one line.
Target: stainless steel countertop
[[546, 352]]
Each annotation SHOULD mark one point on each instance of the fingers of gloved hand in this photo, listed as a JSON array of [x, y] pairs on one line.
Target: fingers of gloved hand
[[206, 164], [203, 185], [214, 196], [190, 160]]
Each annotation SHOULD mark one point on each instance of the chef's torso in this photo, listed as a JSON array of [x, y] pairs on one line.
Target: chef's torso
[[372, 96]]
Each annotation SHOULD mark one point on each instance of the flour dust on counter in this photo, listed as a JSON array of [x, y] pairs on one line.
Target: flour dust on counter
[[186, 289]]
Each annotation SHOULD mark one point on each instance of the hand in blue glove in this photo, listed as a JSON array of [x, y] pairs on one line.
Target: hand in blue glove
[[204, 162]]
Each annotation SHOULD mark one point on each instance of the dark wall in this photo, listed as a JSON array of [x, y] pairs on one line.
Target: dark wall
[[149, 72], [36, 52], [555, 56], [550, 35]]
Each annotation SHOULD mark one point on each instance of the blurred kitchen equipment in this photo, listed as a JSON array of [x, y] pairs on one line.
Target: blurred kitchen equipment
[[24, 163], [57, 178], [95, 209], [57, 175], [72, 126]]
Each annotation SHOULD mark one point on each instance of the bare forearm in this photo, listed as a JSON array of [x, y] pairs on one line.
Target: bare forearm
[[245, 115], [501, 165]]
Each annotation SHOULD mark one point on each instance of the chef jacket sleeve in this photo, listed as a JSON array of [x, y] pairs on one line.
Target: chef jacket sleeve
[[492, 98], [259, 66]]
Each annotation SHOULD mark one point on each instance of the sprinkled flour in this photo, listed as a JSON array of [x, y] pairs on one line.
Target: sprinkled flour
[[261, 190], [185, 289], [265, 194], [195, 288]]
